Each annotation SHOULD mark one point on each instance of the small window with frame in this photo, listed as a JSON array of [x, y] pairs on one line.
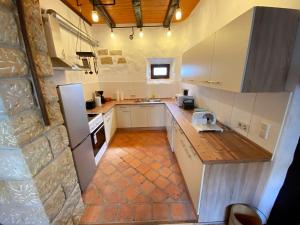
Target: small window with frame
[[160, 71]]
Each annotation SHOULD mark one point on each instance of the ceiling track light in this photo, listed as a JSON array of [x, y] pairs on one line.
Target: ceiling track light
[[95, 16], [169, 33], [112, 34], [131, 36], [178, 13], [141, 34]]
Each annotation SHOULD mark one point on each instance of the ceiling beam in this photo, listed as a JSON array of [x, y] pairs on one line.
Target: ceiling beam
[[173, 4], [100, 9], [137, 12]]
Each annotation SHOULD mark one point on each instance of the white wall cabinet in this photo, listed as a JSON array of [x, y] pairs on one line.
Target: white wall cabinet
[[243, 56], [124, 116], [110, 124], [194, 72], [191, 166]]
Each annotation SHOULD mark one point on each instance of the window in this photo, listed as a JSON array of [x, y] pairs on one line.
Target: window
[[160, 71]]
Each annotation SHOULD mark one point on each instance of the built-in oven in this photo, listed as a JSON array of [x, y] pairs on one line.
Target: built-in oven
[[97, 131]]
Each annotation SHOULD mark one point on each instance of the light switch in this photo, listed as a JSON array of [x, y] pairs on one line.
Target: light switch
[[264, 130]]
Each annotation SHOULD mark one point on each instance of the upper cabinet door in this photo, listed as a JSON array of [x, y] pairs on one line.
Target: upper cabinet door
[[230, 54], [196, 62], [271, 49]]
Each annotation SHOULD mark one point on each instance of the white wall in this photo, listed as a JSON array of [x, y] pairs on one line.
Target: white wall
[[132, 77]]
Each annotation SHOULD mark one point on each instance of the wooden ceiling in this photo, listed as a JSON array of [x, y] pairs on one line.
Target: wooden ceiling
[[153, 11]]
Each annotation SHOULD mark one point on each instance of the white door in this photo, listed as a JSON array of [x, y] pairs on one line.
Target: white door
[[108, 126], [230, 54], [124, 116]]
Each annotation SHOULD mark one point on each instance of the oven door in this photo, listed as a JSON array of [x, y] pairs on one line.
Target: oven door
[[98, 138]]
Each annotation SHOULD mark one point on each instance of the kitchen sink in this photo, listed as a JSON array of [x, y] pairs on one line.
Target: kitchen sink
[[147, 100]]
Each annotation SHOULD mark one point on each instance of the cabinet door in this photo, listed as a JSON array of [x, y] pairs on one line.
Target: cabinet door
[[108, 126], [124, 116], [197, 61], [156, 115], [230, 54], [113, 122], [139, 116], [190, 166]]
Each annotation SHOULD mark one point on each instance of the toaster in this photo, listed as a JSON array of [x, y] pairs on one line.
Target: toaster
[[181, 98]]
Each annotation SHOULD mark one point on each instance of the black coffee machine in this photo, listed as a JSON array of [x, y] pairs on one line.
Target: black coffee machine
[[100, 93]]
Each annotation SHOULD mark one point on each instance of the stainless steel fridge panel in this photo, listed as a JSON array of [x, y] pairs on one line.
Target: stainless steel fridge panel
[[74, 112], [84, 161]]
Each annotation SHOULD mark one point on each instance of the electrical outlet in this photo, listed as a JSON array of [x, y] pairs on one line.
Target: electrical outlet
[[264, 130], [243, 126]]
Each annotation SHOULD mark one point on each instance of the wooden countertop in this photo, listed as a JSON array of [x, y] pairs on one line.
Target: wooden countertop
[[211, 147]]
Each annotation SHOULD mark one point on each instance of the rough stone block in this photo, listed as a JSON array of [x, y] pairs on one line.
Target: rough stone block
[[67, 174], [8, 29], [47, 181], [66, 213], [14, 215], [70, 222], [4, 194], [48, 89], [58, 138], [78, 212], [60, 172], [34, 25], [12, 63], [27, 125], [103, 52], [6, 3], [106, 60], [23, 193], [54, 113], [122, 60], [13, 165], [55, 203], [115, 52], [43, 64], [16, 95], [7, 138], [37, 154]]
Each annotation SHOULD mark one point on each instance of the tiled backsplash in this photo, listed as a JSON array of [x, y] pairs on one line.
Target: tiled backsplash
[[249, 108]]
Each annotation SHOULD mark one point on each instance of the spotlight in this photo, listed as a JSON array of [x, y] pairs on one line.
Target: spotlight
[[169, 33], [95, 16], [112, 34], [141, 34], [178, 14], [131, 36]]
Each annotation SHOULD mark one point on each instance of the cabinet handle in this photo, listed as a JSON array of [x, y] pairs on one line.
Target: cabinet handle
[[214, 82]]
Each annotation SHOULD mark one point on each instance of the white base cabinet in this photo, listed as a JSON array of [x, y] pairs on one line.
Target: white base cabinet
[[170, 128], [191, 166], [141, 116], [124, 116]]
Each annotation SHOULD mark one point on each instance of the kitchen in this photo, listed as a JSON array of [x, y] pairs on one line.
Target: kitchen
[[143, 112]]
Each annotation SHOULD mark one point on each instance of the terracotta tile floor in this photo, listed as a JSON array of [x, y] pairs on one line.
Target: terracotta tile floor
[[137, 180]]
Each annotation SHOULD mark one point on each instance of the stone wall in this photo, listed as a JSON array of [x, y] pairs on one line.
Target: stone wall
[[38, 182]]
